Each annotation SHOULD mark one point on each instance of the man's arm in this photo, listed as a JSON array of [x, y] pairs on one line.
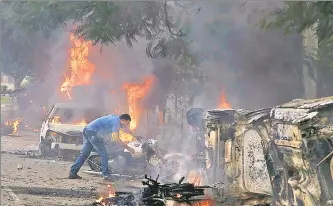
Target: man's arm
[[115, 132], [119, 141]]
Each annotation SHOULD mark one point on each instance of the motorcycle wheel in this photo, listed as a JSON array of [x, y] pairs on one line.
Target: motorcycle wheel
[[173, 169], [332, 167], [45, 148], [94, 162]]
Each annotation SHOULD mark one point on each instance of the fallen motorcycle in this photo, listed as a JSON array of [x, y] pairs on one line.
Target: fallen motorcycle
[[156, 194], [148, 159]]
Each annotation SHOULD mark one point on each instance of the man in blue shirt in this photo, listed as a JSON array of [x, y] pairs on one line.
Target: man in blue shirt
[[94, 136]]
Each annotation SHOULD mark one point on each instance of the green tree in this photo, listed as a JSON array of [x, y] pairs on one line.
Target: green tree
[[105, 22], [300, 16], [18, 51]]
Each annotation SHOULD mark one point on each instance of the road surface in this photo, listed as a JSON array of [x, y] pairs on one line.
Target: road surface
[[43, 182]]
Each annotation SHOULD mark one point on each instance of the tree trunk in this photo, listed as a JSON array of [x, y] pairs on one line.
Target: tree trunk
[[310, 42], [17, 82]]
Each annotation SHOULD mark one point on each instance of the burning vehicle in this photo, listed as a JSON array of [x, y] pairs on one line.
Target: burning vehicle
[[61, 130], [281, 155], [149, 158], [156, 193]]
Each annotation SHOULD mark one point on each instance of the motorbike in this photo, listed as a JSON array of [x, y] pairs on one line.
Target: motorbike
[[148, 159]]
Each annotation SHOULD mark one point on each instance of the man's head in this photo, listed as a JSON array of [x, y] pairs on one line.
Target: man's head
[[125, 120]]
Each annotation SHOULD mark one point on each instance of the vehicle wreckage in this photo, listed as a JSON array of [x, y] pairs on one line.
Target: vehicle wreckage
[[61, 130], [156, 194], [281, 155]]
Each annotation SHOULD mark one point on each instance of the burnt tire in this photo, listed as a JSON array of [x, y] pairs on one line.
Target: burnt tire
[[94, 162], [178, 169], [6, 130], [45, 148], [331, 166]]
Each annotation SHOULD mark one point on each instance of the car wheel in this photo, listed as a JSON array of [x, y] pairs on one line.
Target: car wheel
[[332, 167], [94, 162], [173, 169], [45, 148], [6, 130]]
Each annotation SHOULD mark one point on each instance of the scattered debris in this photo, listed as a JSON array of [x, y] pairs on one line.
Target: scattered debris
[[119, 198], [157, 193], [19, 167], [33, 154], [154, 193], [6, 130]]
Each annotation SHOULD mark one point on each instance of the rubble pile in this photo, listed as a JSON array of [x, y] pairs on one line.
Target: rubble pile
[[156, 194], [119, 199]]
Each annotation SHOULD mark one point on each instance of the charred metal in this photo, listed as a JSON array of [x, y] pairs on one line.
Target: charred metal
[[280, 155]]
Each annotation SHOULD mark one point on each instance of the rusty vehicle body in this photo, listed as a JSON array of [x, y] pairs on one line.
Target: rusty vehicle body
[[61, 131], [281, 155]]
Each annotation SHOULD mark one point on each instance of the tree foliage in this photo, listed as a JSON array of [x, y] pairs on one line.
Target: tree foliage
[[317, 15], [188, 83], [105, 22], [19, 49], [301, 15]]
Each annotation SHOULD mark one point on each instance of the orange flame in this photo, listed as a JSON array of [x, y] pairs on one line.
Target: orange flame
[[135, 93], [111, 193], [80, 69], [31, 128], [160, 117], [224, 104], [15, 125], [56, 120], [195, 178]]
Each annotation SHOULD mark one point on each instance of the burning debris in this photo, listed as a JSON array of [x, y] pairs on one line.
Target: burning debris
[[11, 128], [15, 125], [115, 198], [28, 127], [57, 120], [157, 194], [119, 199]]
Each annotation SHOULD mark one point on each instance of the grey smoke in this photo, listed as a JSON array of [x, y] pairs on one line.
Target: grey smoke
[[255, 68]]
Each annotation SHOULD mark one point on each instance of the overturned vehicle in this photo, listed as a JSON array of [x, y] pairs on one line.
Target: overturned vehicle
[[280, 156]]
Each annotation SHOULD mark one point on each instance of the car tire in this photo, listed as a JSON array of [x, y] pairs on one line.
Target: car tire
[[94, 162], [6, 130], [331, 166], [164, 173], [45, 148]]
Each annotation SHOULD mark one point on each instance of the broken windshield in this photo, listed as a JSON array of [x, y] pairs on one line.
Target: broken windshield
[[68, 115]]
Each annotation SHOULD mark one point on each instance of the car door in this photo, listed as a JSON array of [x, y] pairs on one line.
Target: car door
[[45, 124]]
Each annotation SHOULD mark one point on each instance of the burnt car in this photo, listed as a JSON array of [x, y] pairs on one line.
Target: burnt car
[[61, 130], [280, 156]]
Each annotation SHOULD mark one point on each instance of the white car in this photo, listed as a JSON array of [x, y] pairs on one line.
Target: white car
[[61, 131]]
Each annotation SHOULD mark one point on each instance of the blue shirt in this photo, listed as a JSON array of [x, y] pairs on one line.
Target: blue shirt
[[105, 125]]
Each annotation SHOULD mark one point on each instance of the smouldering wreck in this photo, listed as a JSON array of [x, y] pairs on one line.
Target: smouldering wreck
[[61, 131], [281, 155]]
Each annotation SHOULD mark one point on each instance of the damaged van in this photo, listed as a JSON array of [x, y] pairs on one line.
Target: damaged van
[[61, 130]]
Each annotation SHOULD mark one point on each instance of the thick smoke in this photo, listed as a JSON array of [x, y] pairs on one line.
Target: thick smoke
[[249, 64], [254, 68]]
